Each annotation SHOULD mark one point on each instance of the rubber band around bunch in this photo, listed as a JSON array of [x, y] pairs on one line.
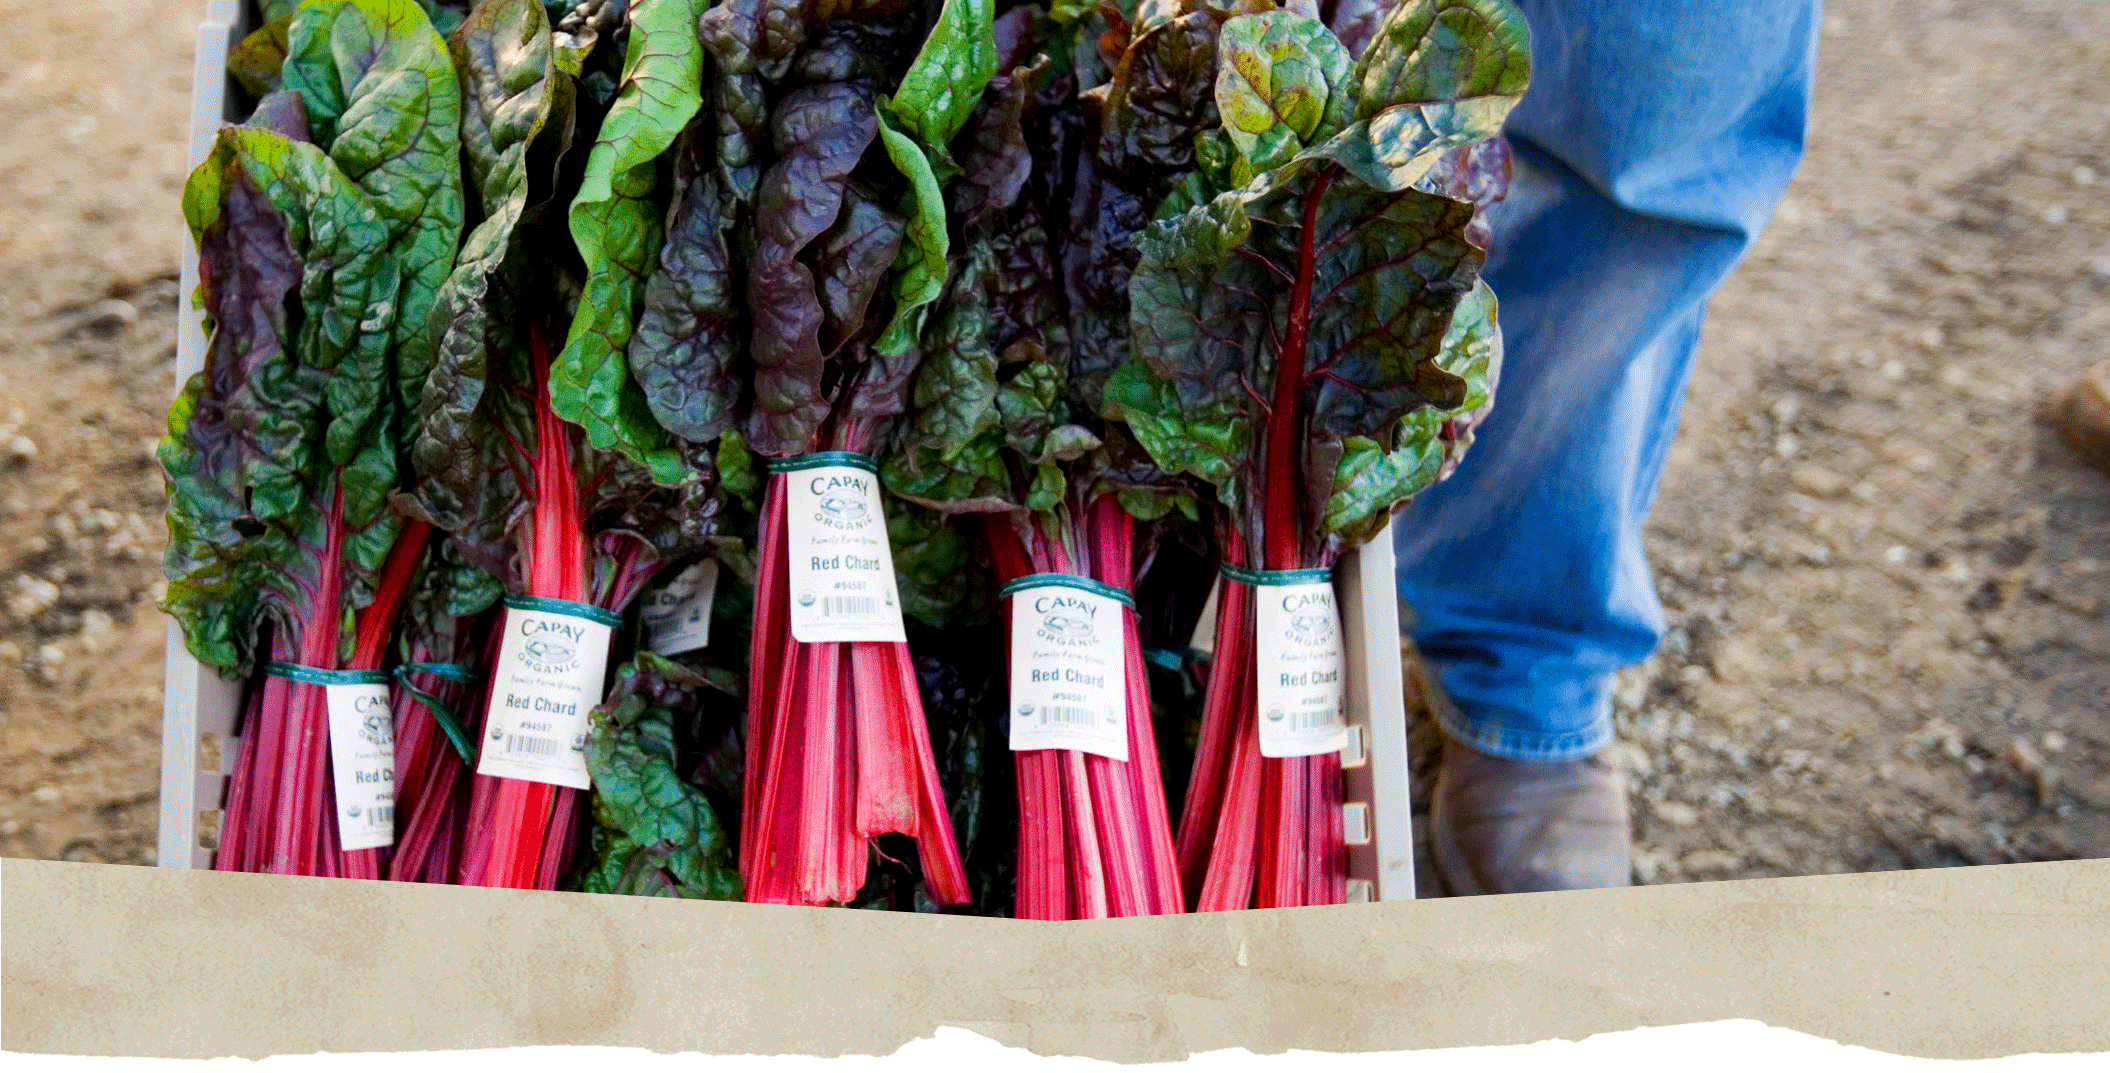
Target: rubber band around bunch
[[569, 608], [1071, 581], [824, 458], [316, 676], [1257, 578]]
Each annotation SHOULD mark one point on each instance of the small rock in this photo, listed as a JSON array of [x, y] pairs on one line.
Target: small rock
[[2082, 415], [1786, 411], [1736, 660], [21, 448], [1711, 860], [2084, 176], [1894, 369], [2055, 215], [1896, 555], [2100, 268], [2024, 756], [1785, 445], [1675, 813], [2053, 742], [32, 597], [1816, 479], [44, 795]]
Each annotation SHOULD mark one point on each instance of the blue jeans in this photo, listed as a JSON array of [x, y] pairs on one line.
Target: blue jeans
[[1655, 140]]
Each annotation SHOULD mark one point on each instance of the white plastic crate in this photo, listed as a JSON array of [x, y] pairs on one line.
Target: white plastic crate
[[200, 709]]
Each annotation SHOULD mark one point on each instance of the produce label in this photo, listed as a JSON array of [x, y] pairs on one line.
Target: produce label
[[552, 667], [842, 568], [1302, 696], [363, 763], [678, 614], [1069, 662]]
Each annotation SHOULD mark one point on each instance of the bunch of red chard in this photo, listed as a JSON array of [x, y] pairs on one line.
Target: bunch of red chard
[[323, 226], [1307, 321], [864, 304]]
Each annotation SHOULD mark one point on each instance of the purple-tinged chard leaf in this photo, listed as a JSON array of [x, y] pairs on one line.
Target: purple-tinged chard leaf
[[1210, 302], [284, 438], [1355, 22], [693, 329], [257, 61], [617, 228], [383, 98], [283, 112], [1370, 482], [820, 133]]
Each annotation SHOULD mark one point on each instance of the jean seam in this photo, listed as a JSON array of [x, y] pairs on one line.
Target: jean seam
[[1525, 746]]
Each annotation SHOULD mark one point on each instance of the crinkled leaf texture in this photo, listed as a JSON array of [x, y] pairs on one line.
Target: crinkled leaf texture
[[655, 834], [821, 132], [289, 415], [692, 331], [1371, 481], [1440, 75], [382, 97], [465, 417], [616, 223], [1209, 304], [1281, 84]]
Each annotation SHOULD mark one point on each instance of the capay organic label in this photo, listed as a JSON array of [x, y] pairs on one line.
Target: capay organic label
[[1068, 657]]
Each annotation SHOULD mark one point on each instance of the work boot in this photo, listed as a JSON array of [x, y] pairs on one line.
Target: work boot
[[1508, 826]]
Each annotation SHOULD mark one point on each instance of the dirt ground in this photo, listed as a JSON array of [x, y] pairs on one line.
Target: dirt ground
[[1884, 574]]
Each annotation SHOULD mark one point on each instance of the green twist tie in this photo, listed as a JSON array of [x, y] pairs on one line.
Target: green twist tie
[[442, 715], [1174, 659], [1068, 581], [824, 458], [316, 676], [1277, 577]]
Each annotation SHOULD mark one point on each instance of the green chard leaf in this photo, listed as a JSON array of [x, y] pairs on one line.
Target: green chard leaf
[[945, 82], [1281, 84], [616, 223], [1208, 297], [1440, 75], [920, 272], [655, 834], [507, 72], [383, 98], [280, 448], [929, 107]]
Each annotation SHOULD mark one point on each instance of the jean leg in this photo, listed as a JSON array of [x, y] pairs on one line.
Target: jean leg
[[1655, 140]]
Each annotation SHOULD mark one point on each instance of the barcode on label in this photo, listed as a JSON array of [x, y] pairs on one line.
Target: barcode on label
[[384, 814], [1310, 720], [1059, 713], [858, 606], [520, 743]]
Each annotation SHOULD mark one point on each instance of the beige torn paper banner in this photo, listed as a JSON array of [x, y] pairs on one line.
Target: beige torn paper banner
[[1946, 963]]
